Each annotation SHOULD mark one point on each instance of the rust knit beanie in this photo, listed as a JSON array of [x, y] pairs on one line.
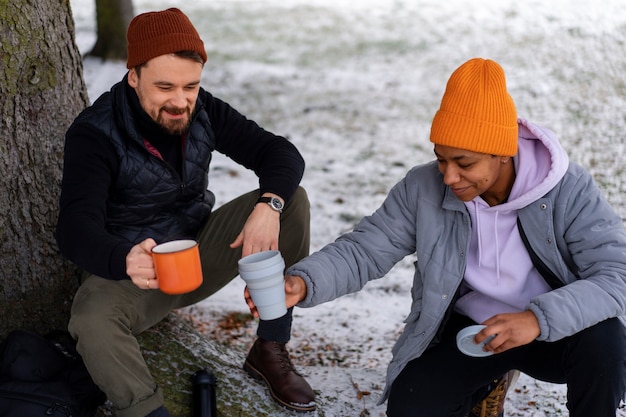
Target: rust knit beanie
[[477, 113], [158, 33]]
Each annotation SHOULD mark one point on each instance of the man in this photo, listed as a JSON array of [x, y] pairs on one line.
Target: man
[[136, 174], [507, 233]]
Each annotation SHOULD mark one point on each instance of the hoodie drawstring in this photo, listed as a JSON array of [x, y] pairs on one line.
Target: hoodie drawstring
[[480, 240]]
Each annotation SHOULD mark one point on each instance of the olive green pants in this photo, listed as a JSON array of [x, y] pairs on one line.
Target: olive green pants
[[107, 315]]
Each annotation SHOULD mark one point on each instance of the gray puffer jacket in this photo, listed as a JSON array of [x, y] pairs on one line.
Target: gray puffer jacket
[[572, 229]]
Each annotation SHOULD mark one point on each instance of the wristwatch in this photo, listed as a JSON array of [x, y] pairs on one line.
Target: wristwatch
[[273, 202]]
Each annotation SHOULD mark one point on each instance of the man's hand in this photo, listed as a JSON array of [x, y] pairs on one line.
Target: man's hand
[[260, 233], [140, 266], [512, 330], [295, 291]]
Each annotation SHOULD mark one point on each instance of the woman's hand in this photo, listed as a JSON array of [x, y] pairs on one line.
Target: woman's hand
[[511, 330], [295, 291]]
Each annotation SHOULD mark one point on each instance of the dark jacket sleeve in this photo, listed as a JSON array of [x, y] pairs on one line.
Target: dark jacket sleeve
[[88, 169], [274, 159]]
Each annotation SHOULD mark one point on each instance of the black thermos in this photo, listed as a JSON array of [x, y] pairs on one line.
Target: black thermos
[[204, 394]]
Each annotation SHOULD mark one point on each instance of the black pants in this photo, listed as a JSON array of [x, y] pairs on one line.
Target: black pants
[[444, 382]]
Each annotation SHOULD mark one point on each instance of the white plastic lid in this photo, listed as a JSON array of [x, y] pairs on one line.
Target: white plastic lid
[[465, 341]]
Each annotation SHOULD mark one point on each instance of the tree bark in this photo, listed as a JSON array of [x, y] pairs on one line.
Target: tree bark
[[113, 17], [41, 91]]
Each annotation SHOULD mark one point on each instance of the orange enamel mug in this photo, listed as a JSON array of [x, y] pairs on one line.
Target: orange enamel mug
[[177, 266]]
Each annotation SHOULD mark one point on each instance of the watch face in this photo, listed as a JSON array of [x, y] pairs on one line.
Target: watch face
[[275, 202]]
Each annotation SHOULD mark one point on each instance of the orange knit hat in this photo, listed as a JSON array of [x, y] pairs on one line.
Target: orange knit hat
[[158, 33], [477, 113]]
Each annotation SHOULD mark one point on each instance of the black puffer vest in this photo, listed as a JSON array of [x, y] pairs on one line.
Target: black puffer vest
[[148, 198]]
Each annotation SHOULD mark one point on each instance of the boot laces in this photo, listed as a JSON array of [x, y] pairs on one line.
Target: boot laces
[[493, 405], [285, 361]]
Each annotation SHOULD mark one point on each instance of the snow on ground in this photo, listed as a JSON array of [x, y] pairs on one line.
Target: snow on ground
[[355, 84]]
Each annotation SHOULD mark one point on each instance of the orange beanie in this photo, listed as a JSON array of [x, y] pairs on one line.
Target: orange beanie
[[158, 33], [477, 113]]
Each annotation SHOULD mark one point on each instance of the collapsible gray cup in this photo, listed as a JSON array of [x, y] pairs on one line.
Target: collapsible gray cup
[[263, 273]]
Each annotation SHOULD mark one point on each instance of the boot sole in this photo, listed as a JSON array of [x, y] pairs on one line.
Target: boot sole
[[255, 374]]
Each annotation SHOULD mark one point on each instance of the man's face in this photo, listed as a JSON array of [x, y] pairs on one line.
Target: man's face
[[167, 90]]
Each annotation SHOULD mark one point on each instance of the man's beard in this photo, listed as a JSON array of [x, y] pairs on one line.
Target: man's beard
[[174, 126]]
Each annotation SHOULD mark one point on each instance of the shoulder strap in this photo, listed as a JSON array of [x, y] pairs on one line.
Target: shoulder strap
[[545, 272]]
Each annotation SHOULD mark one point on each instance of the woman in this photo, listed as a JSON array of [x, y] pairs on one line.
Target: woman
[[463, 215]]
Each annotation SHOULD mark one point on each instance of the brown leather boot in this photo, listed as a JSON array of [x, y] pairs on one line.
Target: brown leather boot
[[493, 404], [269, 362]]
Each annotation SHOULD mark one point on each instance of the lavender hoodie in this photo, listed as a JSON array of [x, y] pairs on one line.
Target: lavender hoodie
[[495, 283]]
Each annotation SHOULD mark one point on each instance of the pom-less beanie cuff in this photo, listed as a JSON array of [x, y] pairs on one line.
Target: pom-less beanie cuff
[[462, 132], [154, 34], [477, 113]]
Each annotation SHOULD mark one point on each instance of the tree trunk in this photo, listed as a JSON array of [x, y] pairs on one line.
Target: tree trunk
[[113, 17], [41, 91]]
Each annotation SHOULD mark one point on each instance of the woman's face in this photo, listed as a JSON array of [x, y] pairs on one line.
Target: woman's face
[[471, 174]]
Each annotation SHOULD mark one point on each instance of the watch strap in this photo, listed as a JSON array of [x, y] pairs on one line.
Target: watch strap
[[268, 200]]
